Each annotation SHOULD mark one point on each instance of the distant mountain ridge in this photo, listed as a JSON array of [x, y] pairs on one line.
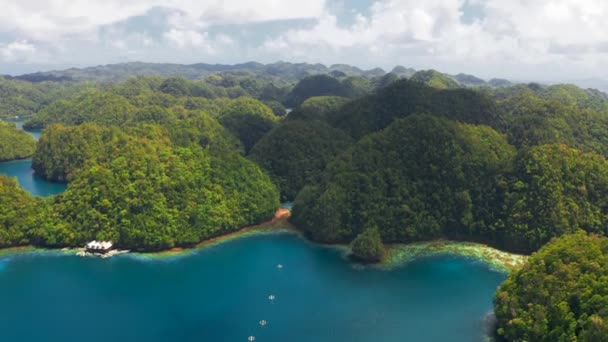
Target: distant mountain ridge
[[283, 71], [290, 72], [280, 72]]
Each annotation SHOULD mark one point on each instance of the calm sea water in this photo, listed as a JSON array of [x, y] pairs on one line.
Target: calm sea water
[[22, 169], [222, 293]]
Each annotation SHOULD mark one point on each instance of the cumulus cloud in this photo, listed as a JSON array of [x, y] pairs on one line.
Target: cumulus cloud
[[19, 51], [502, 38], [508, 32], [44, 20]]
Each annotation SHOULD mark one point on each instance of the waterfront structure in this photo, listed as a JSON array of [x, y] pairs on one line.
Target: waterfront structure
[[98, 246]]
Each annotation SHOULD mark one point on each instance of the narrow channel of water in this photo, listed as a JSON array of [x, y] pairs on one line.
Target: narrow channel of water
[[22, 170]]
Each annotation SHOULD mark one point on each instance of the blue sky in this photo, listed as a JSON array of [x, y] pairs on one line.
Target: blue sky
[[541, 39]]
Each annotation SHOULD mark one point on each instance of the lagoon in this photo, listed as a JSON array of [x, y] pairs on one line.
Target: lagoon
[[221, 293], [22, 170]]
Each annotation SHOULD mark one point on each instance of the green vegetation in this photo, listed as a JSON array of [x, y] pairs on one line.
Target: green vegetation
[[426, 177], [317, 108], [248, 119], [156, 162], [62, 150], [149, 164], [324, 85], [277, 73], [435, 79], [403, 98], [533, 118], [367, 246], [295, 153], [277, 108], [90, 106], [152, 198], [18, 213], [421, 178], [23, 99], [144, 192], [561, 294], [369, 157], [15, 143], [119, 104], [556, 190]]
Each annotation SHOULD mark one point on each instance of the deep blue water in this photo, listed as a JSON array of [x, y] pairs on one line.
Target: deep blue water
[[22, 169], [221, 293]]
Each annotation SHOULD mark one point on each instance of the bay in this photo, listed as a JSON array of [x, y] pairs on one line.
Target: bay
[[222, 293]]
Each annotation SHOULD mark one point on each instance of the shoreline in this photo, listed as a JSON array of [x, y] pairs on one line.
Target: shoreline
[[501, 261], [397, 255], [278, 224]]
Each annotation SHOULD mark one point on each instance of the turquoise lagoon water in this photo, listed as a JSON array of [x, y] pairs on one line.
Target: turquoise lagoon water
[[222, 293], [22, 169]]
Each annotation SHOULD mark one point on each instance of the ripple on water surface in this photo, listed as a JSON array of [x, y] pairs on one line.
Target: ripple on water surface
[[222, 293]]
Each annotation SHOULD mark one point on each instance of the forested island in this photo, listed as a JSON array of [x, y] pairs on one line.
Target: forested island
[[15, 143], [168, 159]]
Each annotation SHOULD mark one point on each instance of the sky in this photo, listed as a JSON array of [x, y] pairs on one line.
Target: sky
[[542, 40]]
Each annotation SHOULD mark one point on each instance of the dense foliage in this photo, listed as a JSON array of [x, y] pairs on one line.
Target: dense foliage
[[561, 294], [426, 177], [278, 73], [18, 213], [295, 153], [556, 190], [422, 178], [14, 143], [23, 99], [403, 98], [367, 246], [143, 192], [92, 105], [154, 198], [119, 104], [435, 79], [534, 117], [248, 119], [324, 85], [317, 108], [64, 149], [155, 162]]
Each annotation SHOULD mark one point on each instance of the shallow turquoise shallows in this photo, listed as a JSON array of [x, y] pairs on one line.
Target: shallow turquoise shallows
[[22, 169], [222, 294]]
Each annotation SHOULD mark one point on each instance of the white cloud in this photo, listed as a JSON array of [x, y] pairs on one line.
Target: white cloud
[[19, 51], [431, 33], [186, 38], [515, 38], [50, 20]]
